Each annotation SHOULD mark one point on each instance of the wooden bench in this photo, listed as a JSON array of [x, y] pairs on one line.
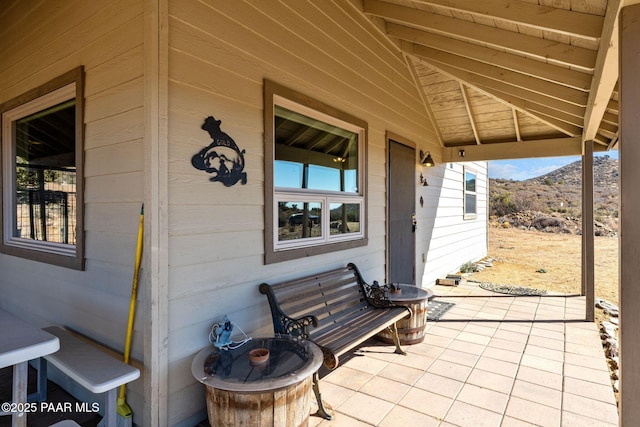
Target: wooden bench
[[337, 310], [93, 369]]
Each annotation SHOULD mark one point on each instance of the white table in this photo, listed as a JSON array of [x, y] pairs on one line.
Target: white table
[[19, 343]]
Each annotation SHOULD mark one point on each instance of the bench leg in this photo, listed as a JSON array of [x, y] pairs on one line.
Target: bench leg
[[316, 389], [394, 333], [41, 393]]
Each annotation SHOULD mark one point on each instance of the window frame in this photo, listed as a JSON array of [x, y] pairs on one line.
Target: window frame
[[275, 94], [465, 193], [38, 99]]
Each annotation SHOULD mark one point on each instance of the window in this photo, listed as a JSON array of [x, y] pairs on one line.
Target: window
[[314, 177], [42, 147], [470, 195]]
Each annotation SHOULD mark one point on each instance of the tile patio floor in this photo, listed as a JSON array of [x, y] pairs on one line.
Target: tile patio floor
[[491, 360]]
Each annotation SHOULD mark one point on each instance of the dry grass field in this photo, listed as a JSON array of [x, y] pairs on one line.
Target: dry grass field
[[520, 254]]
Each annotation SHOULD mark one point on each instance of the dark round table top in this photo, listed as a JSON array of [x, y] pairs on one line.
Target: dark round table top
[[410, 294], [289, 363]]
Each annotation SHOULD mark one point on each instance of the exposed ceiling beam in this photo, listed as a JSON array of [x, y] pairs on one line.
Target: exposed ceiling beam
[[606, 72], [515, 150], [469, 113], [516, 124], [543, 87], [543, 18], [482, 84], [602, 140], [514, 95], [610, 118], [416, 79], [542, 49], [531, 67], [567, 128], [535, 108]]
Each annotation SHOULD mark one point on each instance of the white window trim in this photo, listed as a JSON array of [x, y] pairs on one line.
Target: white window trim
[[465, 192], [325, 198], [325, 202]]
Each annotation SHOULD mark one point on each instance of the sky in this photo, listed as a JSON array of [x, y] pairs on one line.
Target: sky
[[522, 169]]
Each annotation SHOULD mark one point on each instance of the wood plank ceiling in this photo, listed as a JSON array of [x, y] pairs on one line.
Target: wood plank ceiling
[[511, 72]]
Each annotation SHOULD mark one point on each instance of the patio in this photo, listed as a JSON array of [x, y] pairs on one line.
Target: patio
[[491, 360]]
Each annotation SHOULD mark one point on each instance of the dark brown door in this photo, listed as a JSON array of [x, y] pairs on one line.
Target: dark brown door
[[401, 202]]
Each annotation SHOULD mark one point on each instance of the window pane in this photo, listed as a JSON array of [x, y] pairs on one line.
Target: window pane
[[287, 174], [45, 174], [299, 220], [470, 181], [344, 218], [325, 155], [470, 204]]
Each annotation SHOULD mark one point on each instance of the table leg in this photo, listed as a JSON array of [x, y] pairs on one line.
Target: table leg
[[110, 412], [20, 377]]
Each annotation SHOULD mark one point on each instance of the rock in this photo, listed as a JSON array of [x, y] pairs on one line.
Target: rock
[[613, 364], [608, 327], [614, 320], [612, 312]]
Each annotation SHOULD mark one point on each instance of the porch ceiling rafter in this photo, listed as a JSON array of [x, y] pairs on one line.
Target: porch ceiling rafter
[[470, 113], [517, 79], [517, 42], [529, 14], [488, 86], [552, 63], [606, 71], [509, 61]]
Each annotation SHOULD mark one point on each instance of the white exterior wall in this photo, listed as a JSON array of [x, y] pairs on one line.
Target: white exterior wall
[[38, 42], [452, 240], [219, 54]]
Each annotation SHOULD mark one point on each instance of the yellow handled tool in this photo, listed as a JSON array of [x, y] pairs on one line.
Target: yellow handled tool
[[124, 411]]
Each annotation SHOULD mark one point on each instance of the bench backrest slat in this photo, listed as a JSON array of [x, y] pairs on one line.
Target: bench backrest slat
[[292, 288], [320, 295], [310, 294], [338, 317]]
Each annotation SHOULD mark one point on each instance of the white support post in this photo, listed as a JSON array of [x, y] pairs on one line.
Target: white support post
[[629, 288]]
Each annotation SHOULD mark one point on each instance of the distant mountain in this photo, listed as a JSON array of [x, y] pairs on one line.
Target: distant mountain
[[558, 194], [605, 173]]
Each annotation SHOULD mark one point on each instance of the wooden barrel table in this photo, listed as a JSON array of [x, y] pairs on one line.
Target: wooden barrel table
[[411, 330], [276, 392]]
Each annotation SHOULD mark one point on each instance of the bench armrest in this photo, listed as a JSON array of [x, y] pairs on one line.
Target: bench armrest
[[377, 296], [283, 324], [299, 328]]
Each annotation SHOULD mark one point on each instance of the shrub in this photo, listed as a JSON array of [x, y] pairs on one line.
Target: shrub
[[468, 267], [502, 203]]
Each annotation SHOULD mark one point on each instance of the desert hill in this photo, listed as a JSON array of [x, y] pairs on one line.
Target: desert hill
[[553, 202]]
